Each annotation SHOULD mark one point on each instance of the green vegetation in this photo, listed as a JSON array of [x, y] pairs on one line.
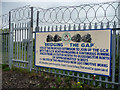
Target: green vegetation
[[77, 85], [59, 80], [20, 69], [5, 67]]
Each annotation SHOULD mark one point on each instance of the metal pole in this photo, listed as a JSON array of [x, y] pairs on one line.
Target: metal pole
[[11, 46], [0, 47], [37, 23], [31, 18], [9, 20], [9, 35], [113, 53], [119, 42], [30, 43], [37, 30], [119, 63], [6, 46]]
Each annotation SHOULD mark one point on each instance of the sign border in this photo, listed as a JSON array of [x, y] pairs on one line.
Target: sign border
[[74, 70]]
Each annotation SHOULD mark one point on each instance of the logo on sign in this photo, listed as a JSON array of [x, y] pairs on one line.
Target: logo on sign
[[66, 37]]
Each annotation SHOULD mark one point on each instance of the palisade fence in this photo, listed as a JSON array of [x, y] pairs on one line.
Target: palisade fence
[[19, 26]]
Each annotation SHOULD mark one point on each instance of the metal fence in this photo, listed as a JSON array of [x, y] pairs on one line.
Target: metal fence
[[18, 28]]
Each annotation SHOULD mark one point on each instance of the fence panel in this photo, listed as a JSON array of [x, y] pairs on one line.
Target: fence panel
[[5, 48], [18, 39], [19, 45]]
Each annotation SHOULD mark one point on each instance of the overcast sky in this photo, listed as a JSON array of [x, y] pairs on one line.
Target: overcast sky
[[7, 5]]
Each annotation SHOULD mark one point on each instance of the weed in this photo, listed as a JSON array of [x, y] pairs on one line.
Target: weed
[[0, 66], [77, 85], [59, 80], [5, 67], [42, 74], [20, 69], [47, 78], [67, 80], [53, 87]]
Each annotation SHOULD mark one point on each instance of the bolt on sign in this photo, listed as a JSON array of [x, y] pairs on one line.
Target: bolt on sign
[[87, 51]]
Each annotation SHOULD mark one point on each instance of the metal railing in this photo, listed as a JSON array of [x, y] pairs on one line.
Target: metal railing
[[86, 16]]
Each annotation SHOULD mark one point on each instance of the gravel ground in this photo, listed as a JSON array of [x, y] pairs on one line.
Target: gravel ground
[[14, 79], [17, 79]]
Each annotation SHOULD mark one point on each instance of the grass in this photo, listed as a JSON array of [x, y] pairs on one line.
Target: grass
[[5, 67]]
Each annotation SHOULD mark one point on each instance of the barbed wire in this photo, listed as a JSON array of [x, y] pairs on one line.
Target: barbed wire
[[18, 14], [22, 13], [85, 13], [4, 20]]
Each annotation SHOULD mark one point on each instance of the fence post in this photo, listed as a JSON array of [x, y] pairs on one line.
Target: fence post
[[9, 20], [1, 46], [37, 30], [9, 33], [119, 62], [37, 23], [30, 41], [113, 53], [119, 42], [10, 45], [31, 18], [30, 46], [10, 41]]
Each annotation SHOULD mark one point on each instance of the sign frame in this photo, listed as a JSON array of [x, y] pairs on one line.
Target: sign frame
[[74, 70]]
